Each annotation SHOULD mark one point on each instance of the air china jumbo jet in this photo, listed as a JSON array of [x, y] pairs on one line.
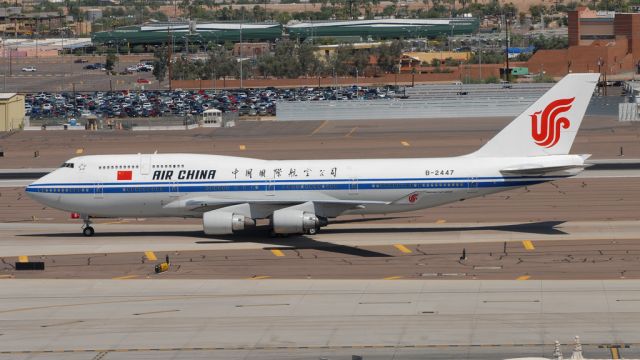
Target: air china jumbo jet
[[299, 196]]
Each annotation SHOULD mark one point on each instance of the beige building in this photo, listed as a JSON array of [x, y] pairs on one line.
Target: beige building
[[11, 111]]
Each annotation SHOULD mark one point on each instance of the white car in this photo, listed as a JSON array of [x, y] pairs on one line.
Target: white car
[[29, 69]]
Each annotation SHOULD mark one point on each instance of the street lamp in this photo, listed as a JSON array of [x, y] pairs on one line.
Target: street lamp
[[358, 92], [453, 26], [241, 60]]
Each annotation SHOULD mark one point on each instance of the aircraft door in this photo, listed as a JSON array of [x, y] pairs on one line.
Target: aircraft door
[[270, 189], [98, 191], [353, 186], [145, 164], [472, 185], [174, 189]]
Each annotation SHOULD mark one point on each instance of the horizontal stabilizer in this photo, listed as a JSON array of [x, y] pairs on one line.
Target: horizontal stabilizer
[[540, 170]]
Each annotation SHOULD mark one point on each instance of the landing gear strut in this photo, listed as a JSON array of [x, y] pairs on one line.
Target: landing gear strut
[[87, 229]]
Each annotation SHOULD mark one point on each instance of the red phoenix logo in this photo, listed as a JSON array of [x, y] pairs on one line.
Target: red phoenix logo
[[546, 130], [413, 198]]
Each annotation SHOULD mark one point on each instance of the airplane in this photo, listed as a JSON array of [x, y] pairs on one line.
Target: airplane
[[300, 196]]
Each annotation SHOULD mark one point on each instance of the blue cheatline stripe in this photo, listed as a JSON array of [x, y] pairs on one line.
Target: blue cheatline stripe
[[123, 189], [265, 181]]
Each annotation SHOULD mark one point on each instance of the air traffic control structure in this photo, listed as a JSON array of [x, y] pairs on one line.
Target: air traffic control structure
[[220, 32]]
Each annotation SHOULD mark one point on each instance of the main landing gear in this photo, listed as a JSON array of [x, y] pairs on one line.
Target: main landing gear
[[87, 229], [313, 230]]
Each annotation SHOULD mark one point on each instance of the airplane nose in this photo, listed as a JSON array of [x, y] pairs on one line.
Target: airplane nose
[[35, 191], [31, 190]]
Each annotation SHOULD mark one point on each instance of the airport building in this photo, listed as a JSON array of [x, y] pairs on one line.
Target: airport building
[[599, 41], [11, 111], [384, 29], [184, 32], [220, 32]]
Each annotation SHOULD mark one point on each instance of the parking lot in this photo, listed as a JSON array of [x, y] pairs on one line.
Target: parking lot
[[61, 106]]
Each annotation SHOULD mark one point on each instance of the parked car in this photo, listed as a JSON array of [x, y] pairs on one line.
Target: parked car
[[96, 66], [29, 69]]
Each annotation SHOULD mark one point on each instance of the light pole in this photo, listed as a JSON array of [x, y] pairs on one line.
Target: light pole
[[335, 79], [453, 26], [358, 92], [480, 55], [241, 60]]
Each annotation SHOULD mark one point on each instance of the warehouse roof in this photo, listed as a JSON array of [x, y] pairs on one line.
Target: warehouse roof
[[7, 96]]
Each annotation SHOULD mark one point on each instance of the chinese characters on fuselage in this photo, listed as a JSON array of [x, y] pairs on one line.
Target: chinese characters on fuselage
[[276, 173]]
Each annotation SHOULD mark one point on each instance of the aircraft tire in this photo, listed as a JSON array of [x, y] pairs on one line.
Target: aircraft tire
[[88, 231]]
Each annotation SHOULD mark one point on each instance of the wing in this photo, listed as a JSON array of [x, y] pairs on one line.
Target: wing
[[330, 206]]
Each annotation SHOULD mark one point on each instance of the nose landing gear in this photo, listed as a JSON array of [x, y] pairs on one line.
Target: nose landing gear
[[87, 229]]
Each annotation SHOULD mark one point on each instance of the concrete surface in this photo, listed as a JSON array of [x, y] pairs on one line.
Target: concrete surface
[[50, 239], [291, 315], [604, 259]]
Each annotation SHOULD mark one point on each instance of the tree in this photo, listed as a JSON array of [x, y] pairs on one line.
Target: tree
[[160, 63], [112, 59], [389, 55]]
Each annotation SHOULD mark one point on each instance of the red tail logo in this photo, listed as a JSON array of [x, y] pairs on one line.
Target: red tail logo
[[546, 130]]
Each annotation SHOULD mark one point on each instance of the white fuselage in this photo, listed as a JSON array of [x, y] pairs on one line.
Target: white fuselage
[[155, 185]]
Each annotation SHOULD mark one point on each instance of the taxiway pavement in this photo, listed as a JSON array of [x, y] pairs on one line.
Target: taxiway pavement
[[158, 318]]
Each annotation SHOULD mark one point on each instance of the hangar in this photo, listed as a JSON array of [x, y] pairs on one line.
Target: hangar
[[11, 111]]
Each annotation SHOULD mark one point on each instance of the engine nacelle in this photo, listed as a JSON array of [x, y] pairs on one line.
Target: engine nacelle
[[217, 222], [293, 221]]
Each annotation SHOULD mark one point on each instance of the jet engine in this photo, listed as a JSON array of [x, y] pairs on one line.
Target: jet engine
[[217, 222], [293, 221]]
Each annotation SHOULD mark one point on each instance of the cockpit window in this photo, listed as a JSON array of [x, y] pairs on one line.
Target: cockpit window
[[69, 165]]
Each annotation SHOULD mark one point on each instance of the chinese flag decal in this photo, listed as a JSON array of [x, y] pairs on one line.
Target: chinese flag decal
[[125, 174]]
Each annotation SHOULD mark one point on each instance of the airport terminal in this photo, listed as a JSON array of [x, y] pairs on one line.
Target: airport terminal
[[408, 209]]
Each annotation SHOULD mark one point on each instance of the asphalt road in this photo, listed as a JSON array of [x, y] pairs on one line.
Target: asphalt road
[[62, 74]]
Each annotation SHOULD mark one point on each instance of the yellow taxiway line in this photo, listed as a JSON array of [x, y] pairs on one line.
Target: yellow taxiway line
[[528, 245], [402, 248], [277, 252]]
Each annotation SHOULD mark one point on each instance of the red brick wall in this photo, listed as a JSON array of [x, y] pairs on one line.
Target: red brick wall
[[574, 27], [614, 55], [552, 62]]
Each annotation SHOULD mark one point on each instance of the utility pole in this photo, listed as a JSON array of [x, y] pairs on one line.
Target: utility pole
[[506, 50], [169, 54], [480, 55], [241, 60]]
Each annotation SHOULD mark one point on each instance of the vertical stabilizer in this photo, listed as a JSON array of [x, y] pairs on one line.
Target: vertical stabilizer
[[549, 126]]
